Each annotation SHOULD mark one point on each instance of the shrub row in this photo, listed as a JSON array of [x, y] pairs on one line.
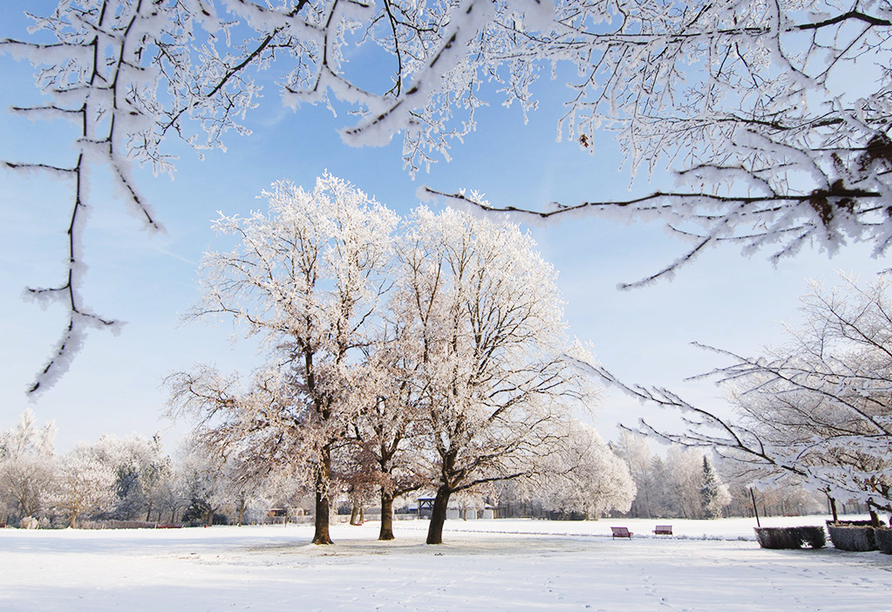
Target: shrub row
[[110, 524], [791, 537]]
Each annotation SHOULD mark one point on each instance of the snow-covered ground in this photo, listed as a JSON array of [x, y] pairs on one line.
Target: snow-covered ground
[[484, 565]]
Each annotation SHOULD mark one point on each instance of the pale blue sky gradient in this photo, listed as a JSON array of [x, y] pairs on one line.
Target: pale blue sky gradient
[[148, 280]]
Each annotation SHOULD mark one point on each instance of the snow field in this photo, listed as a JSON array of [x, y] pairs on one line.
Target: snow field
[[484, 565]]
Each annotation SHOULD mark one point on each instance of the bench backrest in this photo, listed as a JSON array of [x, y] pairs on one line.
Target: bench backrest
[[620, 531]]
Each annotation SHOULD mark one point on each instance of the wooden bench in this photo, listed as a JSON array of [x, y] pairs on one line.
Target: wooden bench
[[621, 532], [663, 530]]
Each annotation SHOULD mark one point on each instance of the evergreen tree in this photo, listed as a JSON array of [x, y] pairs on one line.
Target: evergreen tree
[[710, 492]]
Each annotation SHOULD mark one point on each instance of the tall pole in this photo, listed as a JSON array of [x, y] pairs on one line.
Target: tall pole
[[755, 510]]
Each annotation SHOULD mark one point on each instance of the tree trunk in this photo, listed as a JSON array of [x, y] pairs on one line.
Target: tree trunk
[[5, 509], [438, 516], [832, 503], [354, 515], [386, 532], [322, 535], [874, 517], [72, 520]]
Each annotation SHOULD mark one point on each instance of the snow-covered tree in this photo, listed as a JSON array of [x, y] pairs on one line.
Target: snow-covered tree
[[774, 115], [486, 319], [243, 484], [306, 279], [685, 469], [171, 496], [635, 451], [140, 466], [201, 475], [714, 493], [85, 484], [662, 493], [817, 407], [27, 465], [586, 476], [130, 74]]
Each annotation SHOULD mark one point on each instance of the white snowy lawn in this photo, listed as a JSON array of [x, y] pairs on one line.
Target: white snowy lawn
[[484, 565]]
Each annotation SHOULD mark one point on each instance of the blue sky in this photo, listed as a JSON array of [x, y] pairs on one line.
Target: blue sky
[[148, 280]]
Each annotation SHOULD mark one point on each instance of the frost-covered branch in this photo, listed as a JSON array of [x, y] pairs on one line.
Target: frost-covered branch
[[754, 221], [776, 113]]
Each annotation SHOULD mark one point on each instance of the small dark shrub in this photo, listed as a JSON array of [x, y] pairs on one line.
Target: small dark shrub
[[884, 540], [854, 538], [790, 537]]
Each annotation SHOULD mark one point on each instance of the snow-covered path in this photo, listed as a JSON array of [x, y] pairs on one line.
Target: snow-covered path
[[485, 565]]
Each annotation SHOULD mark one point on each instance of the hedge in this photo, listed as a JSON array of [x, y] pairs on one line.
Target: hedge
[[854, 538], [883, 539], [791, 537]]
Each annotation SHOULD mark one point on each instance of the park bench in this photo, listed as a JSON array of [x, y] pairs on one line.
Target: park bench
[[663, 530], [621, 532]]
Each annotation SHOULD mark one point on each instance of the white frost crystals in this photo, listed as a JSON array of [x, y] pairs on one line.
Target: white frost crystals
[[774, 115]]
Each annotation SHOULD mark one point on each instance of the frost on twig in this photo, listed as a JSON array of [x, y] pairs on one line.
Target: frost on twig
[[131, 73], [753, 102], [775, 117]]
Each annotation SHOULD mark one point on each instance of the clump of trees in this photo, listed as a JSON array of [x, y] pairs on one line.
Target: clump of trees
[[683, 483], [686, 482], [128, 481], [426, 355], [132, 482], [25, 472], [112, 479]]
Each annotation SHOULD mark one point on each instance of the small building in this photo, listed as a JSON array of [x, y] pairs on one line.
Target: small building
[[425, 506], [277, 515], [425, 509]]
